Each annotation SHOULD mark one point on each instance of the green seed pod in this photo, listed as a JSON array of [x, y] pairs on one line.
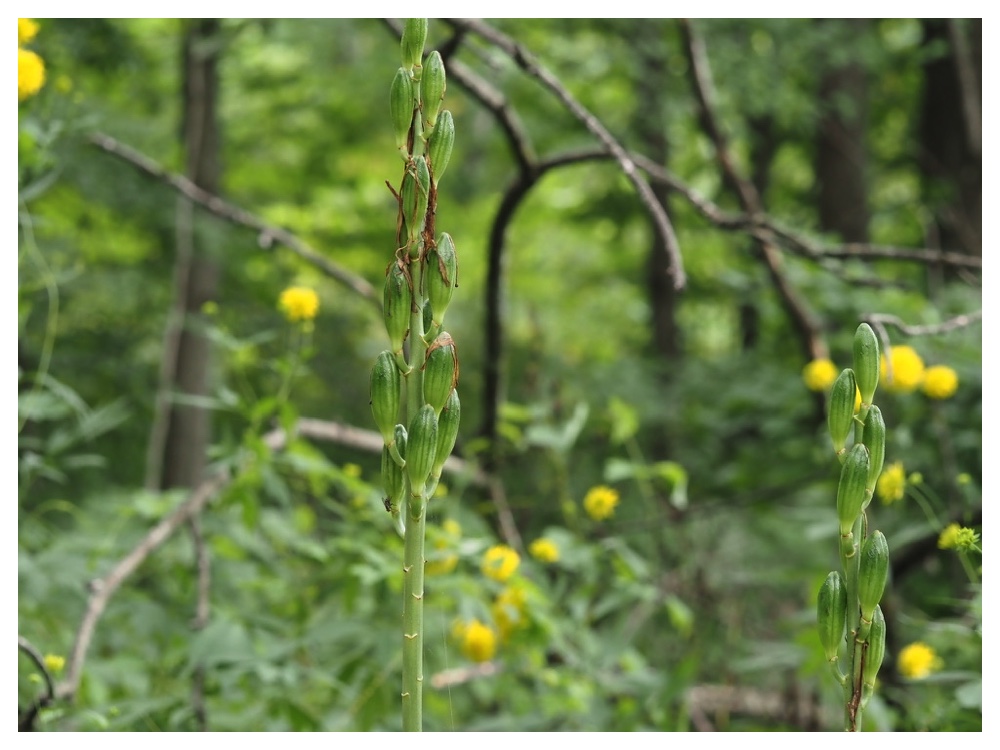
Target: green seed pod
[[440, 371], [448, 422], [841, 408], [851, 489], [392, 479], [432, 89], [401, 105], [397, 302], [831, 614], [875, 652], [411, 43], [873, 569], [866, 363], [874, 439], [439, 146], [441, 276], [421, 447], [385, 393]]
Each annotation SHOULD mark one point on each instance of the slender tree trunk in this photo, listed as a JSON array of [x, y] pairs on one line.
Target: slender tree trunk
[[841, 153], [650, 47], [187, 352], [951, 132]]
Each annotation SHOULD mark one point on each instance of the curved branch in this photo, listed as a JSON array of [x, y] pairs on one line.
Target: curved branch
[[528, 64], [267, 233], [25, 722]]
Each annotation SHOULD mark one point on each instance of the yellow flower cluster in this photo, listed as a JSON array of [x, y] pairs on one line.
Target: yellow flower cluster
[[917, 660], [958, 537], [500, 562], [299, 303], [54, 663], [940, 382], [544, 550], [891, 485], [30, 67], [600, 502], [909, 374], [477, 640]]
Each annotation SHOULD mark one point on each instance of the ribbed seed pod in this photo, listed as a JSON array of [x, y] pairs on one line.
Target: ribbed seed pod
[[874, 439], [392, 478], [441, 142], [851, 489], [876, 650], [841, 409], [411, 43], [401, 105], [432, 89], [441, 276], [831, 614], [421, 446], [866, 362], [873, 570], [448, 422], [440, 371], [397, 302], [415, 193], [385, 389]]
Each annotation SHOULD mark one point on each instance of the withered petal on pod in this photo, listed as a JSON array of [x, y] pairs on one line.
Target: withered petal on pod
[[440, 371]]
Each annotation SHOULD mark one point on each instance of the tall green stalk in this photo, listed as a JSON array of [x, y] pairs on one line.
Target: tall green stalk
[[851, 625], [413, 383]]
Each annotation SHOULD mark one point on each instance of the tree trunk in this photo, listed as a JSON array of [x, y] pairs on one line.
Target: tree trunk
[[951, 133], [181, 431], [841, 154]]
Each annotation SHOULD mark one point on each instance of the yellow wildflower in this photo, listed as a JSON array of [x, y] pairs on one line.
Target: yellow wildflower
[[891, 485], [26, 30], [940, 381], [918, 660], [351, 470], [907, 370], [299, 303], [30, 74], [500, 562], [544, 550], [54, 663], [948, 538], [477, 640], [600, 502], [819, 374]]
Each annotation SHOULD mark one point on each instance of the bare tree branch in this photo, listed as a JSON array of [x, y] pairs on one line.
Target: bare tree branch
[[802, 318], [527, 62], [267, 233]]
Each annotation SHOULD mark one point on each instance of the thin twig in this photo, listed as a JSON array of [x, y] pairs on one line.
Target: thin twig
[[527, 63], [930, 329], [268, 234]]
